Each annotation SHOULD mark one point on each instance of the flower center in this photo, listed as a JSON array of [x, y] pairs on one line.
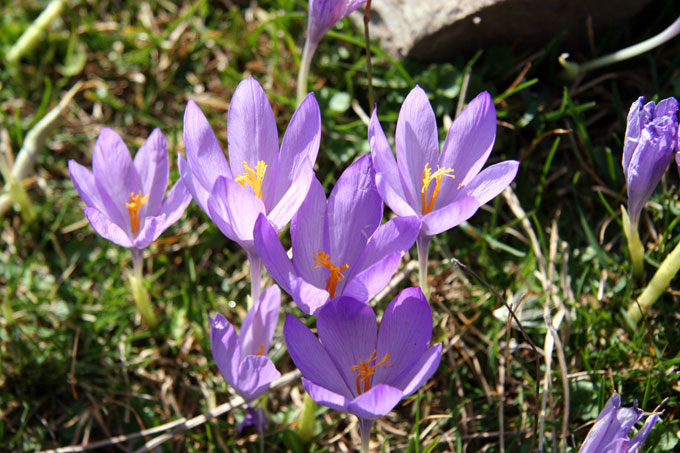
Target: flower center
[[323, 260], [428, 176], [261, 351], [366, 370], [133, 207], [252, 177]]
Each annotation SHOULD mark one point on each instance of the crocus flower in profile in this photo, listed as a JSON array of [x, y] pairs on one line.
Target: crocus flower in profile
[[323, 14], [444, 189], [339, 245], [242, 358], [124, 198], [352, 367], [258, 178], [651, 137], [609, 434]]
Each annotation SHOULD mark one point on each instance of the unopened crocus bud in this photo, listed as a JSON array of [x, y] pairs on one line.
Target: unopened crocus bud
[[651, 137]]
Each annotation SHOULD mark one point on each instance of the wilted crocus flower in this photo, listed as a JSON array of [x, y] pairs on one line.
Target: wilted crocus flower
[[444, 189], [609, 434], [651, 137], [354, 368], [124, 198], [323, 14], [339, 246], [241, 358], [258, 178]]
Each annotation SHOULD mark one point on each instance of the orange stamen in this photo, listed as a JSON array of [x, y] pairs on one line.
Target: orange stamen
[[133, 207], [366, 370], [323, 260], [428, 176], [261, 351], [252, 177]]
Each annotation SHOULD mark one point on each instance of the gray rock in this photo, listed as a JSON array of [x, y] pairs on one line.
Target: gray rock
[[436, 30]]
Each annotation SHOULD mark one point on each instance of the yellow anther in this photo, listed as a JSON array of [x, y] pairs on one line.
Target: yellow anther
[[366, 370], [253, 178], [428, 176], [323, 260], [133, 207]]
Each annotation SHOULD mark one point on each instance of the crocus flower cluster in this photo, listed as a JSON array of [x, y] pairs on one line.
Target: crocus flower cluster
[[352, 367], [242, 358], [342, 252], [609, 434]]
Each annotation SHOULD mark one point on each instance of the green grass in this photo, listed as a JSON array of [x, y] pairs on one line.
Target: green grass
[[77, 362]]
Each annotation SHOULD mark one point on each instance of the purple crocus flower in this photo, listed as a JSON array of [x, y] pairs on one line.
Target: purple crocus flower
[[339, 246], [241, 358], [609, 434], [124, 198], [323, 14], [354, 368], [651, 137], [258, 178], [444, 189]]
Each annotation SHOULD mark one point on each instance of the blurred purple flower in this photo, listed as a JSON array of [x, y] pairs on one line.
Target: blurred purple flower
[[354, 368], [124, 198], [339, 246], [258, 178], [444, 189], [241, 358], [651, 137], [323, 14], [609, 434]]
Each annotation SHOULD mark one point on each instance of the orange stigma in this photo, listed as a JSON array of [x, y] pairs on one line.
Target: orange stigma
[[428, 176], [261, 351], [133, 207], [252, 177], [323, 260], [366, 370]]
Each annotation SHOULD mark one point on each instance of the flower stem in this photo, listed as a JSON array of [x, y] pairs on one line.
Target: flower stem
[[306, 424], [637, 252], [369, 65], [303, 74], [573, 70], [365, 431], [139, 293], [423, 246], [32, 35], [662, 278], [255, 278]]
